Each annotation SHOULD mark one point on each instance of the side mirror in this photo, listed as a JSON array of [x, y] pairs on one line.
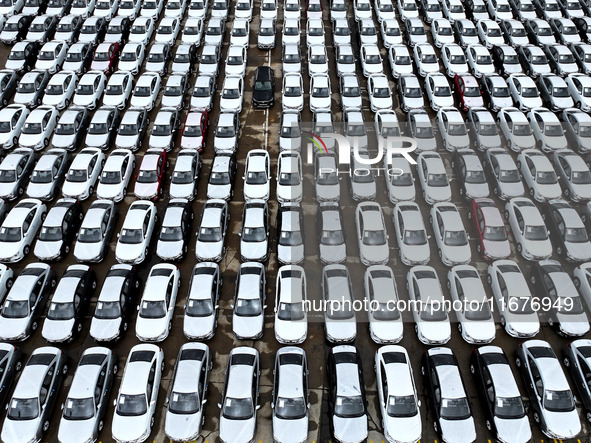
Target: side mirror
[[62, 407], [204, 401], [114, 402], [137, 308], [258, 407], [419, 403], [272, 405], [232, 305], [220, 405]]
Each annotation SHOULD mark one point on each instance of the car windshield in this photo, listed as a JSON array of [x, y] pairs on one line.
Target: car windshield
[[539, 59], [576, 235], [219, 178], [553, 130], [250, 307], [5, 127], [482, 312], [289, 179], [16, 55], [210, 234], [231, 93], [254, 234], [374, 238], [7, 176], [256, 178], [441, 91], [585, 130], [132, 405], [153, 309], [581, 177], [433, 311], [161, 130], [327, 176], [349, 406], [51, 233], [475, 177], [290, 408], [566, 58], [332, 238], [41, 177], [77, 175], [182, 177], [483, 60], [415, 237], [437, 180], [54, 90], [487, 129], [107, 310], [456, 129], [147, 176], [509, 176], [501, 92], [536, 232], [558, 401], [336, 312], [32, 128], [455, 238], [403, 60], [101, 128], [560, 92], [412, 92], [546, 177], [25, 88], [472, 91], [292, 91], [65, 129], [199, 308], [404, 179], [184, 403], [290, 311], [529, 92], [521, 130], [454, 408], [15, 309], [401, 406], [90, 235], [238, 408], [111, 177], [23, 408], [101, 56], [171, 233], [131, 236], [383, 312], [495, 233], [511, 59], [79, 408]]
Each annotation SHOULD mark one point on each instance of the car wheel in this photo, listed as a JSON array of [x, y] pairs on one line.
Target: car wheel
[[79, 328], [518, 362], [488, 425], [462, 193], [567, 193], [460, 328], [537, 418], [435, 427], [14, 141], [520, 248], [67, 102], [38, 101], [90, 191], [34, 326], [566, 361], [578, 105], [115, 369], [550, 322], [532, 279], [479, 248], [489, 280], [26, 250], [125, 326], [101, 425], [503, 321], [45, 143], [506, 215], [496, 191], [588, 416], [45, 425], [151, 421], [18, 366], [577, 282], [9, 283], [4, 102], [162, 366], [531, 192], [472, 369]]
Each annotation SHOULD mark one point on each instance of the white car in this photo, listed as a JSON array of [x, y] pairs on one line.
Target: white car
[[410, 92], [381, 294], [432, 323], [131, 59], [106, 8], [211, 234], [548, 130], [248, 307], [141, 31], [135, 406], [573, 173], [479, 60], [254, 236], [60, 90], [257, 175], [350, 93], [136, 233], [503, 174], [164, 129], [48, 174], [380, 97], [240, 32], [340, 319], [201, 308], [397, 393], [146, 91], [269, 10], [222, 174], [490, 33], [345, 60], [438, 91], [371, 233], [72, 124], [236, 61], [192, 33], [450, 234], [83, 174], [209, 61], [226, 132], [292, 9], [152, 8], [341, 31], [203, 93], [243, 10], [442, 32], [118, 89], [400, 60], [129, 8], [411, 234], [168, 30], [90, 89], [289, 177], [516, 128], [317, 60], [215, 32], [158, 58], [156, 308], [292, 97], [528, 228], [315, 32], [391, 34], [426, 59], [452, 128], [367, 32], [38, 128], [579, 89], [454, 60], [185, 175], [12, 120], [14, 173], [291, 320], [433, 178], [19, 229], [175, 8], [524, 92], [95, 231], [320, 93], [400, 182], [232, 94], [116, 175], [52, 56], [371, 60], [539, 175], [476, 323]]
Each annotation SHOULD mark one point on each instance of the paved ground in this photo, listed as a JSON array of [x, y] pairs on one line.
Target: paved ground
[[260, 129]]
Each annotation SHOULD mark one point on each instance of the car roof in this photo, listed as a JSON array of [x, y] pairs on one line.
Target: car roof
[[135, 377], [186, 369], [29, 384], [397, 369], [290, 379], [239, 376], [347, 375]]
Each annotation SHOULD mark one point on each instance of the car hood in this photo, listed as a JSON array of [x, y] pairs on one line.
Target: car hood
[[53, 100], [526, 325], [206, 250], [11, 328], [112, 100], [290, 254], [146, 190], [72, 189], [75, 431], [512, 189], [328, 192], [129, 429], [63, 141], [458, 431], [126, 141], [573, 325], [405, 429], [435, 331], [290, 431], [193, 142], [364, 191], [169, 249], [294, 144], [104, 329], [256, 191], [9, 250], [108, 191], [556, 143], [14, 64], [198, 327], [47, 250], [237, 431], [20, 430], [182, 427], [154, 67], [96, 140], [151, 328], [583, 191], [523, 141], [247, 327], [29, 140], [83, 100], [497, 249], [386, 331], [100, 66], [200, 103], [181, 190], [57, 330], [333, 254], [129, 253], [291, 331], [563, 424], [418, 253], [516, 430], [160, 142], [341, 330], [263, 95], [39, 190], [170, 101], [459, 141], [440, 194], [351, 430], [579, 251], [480, 331], [219, 191], [477, 190], [459, 254], [253, 251], [87, 251], [490, 141]]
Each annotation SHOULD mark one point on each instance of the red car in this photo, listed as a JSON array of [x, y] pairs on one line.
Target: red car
[[493, 240], [467, 91], [150, 177], [194, 132], [105, 58]]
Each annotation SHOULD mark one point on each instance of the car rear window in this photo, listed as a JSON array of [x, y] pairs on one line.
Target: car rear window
[[145, 356]]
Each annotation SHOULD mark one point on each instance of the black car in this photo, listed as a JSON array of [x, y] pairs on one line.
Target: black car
[[346, 391], [263, 91], [115, 304], [69, 304], [10, 365], [576, 356], [176, 227], [567, 231], [16, 27], [506, 60], [556, 292], [452, 411], [59, 230], [499, 394], [8, 82], [23, 54]]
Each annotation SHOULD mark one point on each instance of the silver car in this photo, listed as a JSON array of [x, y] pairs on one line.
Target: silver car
[[173, 239], [291, 319], [290, 230], [254, 237], [211, 234], [340, 324], [95, 232], [450, 234], [528, 228], [371, 234], [503, 174], [201, 308], [248, 316], [411, 234], [381, 294], [433, 178], [48, 174], [331, 233]]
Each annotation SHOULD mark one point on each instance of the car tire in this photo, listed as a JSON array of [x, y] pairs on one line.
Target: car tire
[[18, 366], [90, 191], [489, 280], [34, 326], [4, 102], [520, 248], [531, 192], [537, 418], [577, 282], [45, 426], [578, 105], [559, 250], [518, 362], [79, 328], [566, 362], [14, 141], [45, 143], [20, 191], [488, 425], [162, 366], [67, 103], [435, 428], [503, 321], [567, 193], [100, 426], [26, 250], [9, 283]]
